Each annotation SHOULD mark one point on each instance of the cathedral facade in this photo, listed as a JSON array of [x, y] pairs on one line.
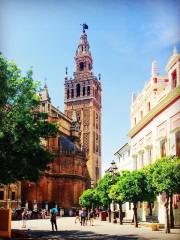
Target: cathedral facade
[[68, 176], [83, 95]]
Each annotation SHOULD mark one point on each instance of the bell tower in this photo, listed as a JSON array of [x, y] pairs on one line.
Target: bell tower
[[83, 95]]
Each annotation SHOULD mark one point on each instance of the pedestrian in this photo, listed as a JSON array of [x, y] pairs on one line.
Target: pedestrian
[[77, 217], [53, 213], [24, 218], [43, 213], [83, 216], [91, 217]]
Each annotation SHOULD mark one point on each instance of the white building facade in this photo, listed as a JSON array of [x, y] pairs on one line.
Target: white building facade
[[155, 123], [155, 128]]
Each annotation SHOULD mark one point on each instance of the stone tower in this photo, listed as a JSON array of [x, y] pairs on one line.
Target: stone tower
[[83, 95]]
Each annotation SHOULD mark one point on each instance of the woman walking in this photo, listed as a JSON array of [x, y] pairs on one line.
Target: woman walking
[[24, 218]]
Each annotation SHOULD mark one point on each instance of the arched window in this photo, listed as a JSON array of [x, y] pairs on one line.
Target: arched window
[[78, 88], [88, 90], [72, 93], [81, 66], [68, 94], [84, 91], [149, 106]]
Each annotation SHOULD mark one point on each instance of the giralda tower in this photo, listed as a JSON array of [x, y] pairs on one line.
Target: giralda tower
[[83, 96]]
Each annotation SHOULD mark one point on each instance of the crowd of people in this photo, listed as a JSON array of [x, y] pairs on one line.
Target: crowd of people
[[83, 216]]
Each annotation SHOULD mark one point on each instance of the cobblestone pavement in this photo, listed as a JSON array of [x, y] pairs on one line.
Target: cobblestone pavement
[[67, 229]]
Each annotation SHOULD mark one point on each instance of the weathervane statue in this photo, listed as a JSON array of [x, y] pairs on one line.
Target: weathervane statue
[[85, 26]]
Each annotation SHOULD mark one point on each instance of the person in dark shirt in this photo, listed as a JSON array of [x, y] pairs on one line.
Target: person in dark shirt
[[91, 217], [77, 215]]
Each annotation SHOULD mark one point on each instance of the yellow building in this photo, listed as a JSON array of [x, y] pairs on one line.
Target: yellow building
[[10, 195]]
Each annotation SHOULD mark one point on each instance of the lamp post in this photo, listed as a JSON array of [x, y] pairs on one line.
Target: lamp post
[[113, 172], [92, 186]]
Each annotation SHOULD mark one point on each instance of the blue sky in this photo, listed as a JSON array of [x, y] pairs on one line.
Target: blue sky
[[125, 37]]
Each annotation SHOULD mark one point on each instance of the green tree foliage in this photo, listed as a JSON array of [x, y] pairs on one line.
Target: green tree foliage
[[89, 198], [165, 174], [132, 188], [103, 188], [22, 126], [114, 194]]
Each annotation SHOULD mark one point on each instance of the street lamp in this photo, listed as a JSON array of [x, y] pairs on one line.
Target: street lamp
[[113, 172]]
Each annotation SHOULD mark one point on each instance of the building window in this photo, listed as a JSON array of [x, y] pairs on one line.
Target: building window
[[43, 107], [134, 121], [72, 93], [174, 79], [68, 94], [1, 195], [97, 149], [13, 196], [84, 91], [78, 88], [149, 106], [88, 90], [163, 148], [178, 144], [141, 114], [81, 66]]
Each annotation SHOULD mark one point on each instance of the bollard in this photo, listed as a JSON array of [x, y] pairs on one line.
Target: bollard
[[5, 222]]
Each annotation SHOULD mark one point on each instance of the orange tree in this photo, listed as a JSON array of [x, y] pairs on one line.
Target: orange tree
[[165, 175], [89, 199], [131, 187]]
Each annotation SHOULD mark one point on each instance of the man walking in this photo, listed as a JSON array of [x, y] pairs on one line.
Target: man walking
[[53, 212]]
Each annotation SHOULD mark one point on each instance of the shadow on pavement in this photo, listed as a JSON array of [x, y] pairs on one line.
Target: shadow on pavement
[[72, 234]]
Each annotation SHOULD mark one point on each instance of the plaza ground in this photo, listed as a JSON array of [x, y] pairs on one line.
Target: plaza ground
[[67, 229]]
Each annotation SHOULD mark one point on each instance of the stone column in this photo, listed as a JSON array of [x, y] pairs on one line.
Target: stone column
[[144, 211], [135, 164]]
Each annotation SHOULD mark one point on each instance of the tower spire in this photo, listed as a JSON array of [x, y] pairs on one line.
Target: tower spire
[[83, 56]]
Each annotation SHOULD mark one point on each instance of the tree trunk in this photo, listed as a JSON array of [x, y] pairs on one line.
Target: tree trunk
[[166, 205], [135, 214], [150, 209], [109, 212], [171, 212], [120, 214]]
